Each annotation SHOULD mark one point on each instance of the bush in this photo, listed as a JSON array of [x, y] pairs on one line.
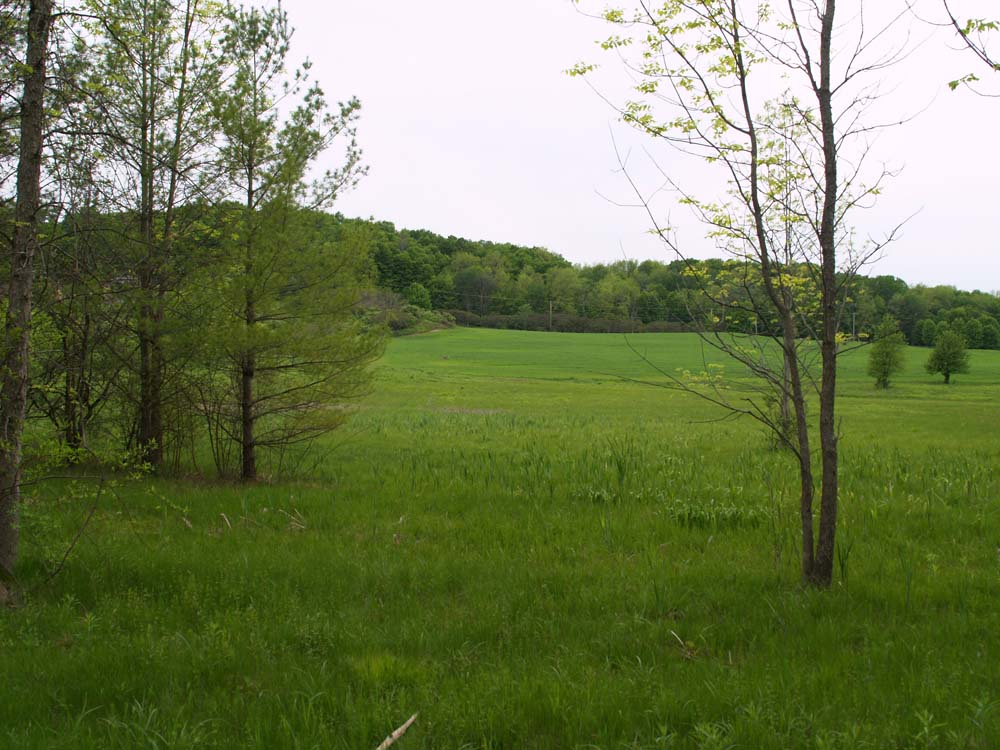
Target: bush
[[385, 308], [418, 296]]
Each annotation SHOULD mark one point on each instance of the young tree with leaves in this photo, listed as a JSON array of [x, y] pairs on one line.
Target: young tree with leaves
[[886, 356], [707, 75], [949, 356]]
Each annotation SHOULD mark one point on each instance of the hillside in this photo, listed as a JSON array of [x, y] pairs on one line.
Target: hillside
[[508, 286]]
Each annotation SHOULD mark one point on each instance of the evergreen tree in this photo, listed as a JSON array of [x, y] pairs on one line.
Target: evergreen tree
[[288, 347]]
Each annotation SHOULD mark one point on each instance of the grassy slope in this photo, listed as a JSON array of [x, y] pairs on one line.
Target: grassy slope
[[535, 554]]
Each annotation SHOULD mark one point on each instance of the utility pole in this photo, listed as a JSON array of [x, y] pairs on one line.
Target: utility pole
[[550, 315]]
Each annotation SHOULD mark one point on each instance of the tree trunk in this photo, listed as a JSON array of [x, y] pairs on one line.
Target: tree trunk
[[248, 471], [248, 445], [14, 386], [823, 572], [806, 483], [786, 406], [151, 354], [76, 348], [150, 388], [71, 396], [150, 437]]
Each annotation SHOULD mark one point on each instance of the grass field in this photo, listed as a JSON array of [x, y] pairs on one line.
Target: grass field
[[532, 552]]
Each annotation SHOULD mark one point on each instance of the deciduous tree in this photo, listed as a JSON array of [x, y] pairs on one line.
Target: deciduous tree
[[885, 358], [758, 93], [21, 259], [949, 356]]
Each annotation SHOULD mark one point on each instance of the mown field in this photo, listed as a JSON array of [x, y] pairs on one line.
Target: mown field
[[531, 552]]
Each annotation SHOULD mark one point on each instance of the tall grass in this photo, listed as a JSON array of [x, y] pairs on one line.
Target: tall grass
[[532, 553]]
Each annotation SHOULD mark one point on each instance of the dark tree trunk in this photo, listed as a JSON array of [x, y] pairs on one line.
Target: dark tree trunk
[[72, 431], [248, 470], [76, 346], [248, 367], [823, 572], [784, 306], [248, 446], [14, 385], [248, 371], [150, 436], [150, 388], [150, 359]]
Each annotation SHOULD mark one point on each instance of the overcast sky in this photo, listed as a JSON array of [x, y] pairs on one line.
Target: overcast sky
[[471, 128]]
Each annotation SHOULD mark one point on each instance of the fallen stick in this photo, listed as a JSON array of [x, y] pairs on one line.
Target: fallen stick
[[391, 739]]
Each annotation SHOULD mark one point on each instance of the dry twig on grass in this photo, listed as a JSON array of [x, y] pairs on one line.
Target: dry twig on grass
[[391, 739]]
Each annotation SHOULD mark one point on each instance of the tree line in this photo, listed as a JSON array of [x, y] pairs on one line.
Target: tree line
[[505, 285]]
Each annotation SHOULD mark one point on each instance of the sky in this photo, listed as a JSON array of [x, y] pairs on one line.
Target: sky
[[470, 127]]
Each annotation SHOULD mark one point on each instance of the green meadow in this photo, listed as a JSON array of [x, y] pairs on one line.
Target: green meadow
[[516, 540]]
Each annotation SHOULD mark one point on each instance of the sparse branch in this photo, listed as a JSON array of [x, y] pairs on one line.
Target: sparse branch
[[972, 33], [795, 166]]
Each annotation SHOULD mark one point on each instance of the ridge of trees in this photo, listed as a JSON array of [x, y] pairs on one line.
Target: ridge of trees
[[506, 285]]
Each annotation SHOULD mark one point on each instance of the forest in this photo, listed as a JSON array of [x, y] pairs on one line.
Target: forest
[[504, 286]]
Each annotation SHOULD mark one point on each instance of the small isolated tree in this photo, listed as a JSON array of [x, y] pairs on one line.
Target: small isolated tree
[[757, 93], [949, 356], [886, 356]]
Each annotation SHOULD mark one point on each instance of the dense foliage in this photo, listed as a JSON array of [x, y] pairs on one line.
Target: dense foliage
[[886, 357], [949, 356], [507, 286], [186, 295]]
